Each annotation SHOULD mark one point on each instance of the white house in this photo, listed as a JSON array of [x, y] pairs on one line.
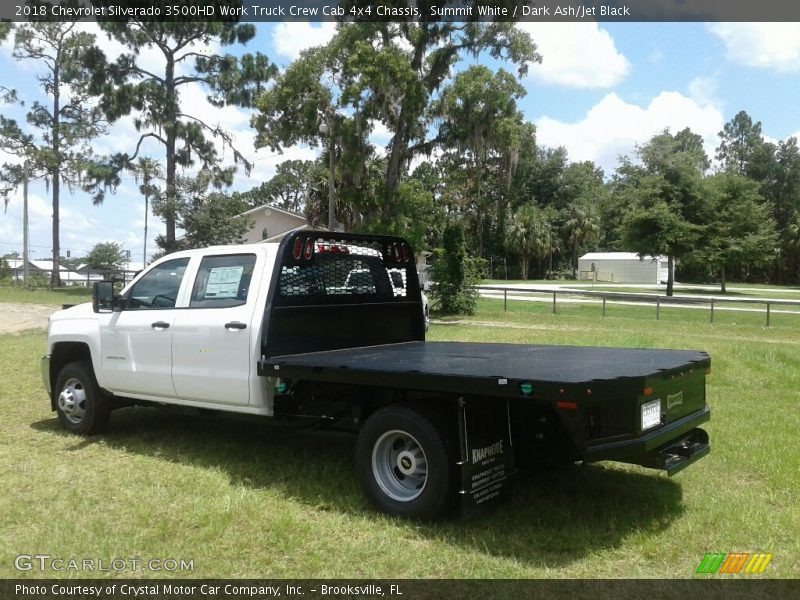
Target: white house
[[271, 224], [623, 267], [45, 267]]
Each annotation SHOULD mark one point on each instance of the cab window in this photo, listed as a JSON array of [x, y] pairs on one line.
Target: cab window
[[159, 287], [223, 281]]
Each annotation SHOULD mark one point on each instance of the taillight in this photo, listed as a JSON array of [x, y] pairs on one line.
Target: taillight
[[406, 253], [297, 250], [309, 249]]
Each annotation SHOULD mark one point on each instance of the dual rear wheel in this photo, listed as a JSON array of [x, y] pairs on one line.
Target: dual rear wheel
[[406, 462]]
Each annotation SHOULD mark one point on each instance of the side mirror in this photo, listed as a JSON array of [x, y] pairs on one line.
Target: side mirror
[[103, 297]]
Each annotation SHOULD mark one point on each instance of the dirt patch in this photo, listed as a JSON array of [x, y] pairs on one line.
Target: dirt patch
[[18, 317]]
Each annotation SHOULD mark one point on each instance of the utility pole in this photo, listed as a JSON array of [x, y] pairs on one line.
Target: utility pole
[[25, 270], [146, 210], [331, 167]]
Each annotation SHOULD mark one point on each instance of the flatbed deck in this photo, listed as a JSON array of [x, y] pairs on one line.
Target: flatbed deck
[[479, 368]]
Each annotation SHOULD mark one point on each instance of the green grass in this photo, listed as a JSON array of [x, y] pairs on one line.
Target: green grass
[[69, 295], [244, 500]]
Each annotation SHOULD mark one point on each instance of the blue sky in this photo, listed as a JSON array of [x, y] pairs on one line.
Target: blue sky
[[601, 89]]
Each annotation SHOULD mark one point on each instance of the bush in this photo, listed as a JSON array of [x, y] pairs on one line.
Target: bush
[[455, 273]]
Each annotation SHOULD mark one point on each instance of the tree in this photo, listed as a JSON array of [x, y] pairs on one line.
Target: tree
[[670, 206], [781, 188], [208, 219], [741, 230], [60, 150], [740, 141], [161, 115], [290, 187], [528, 235], [386, 73], [148, 171], [484, 132], [581, 228], [108, 258], [455, 273]]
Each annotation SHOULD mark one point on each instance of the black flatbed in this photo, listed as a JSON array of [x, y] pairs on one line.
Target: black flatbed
[[479, 368]]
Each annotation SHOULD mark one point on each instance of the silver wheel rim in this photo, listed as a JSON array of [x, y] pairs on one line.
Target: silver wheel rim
[[72, 401], [399, 465]]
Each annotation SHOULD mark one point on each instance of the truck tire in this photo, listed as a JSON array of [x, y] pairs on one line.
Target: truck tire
[[405, 462], [82, 407]]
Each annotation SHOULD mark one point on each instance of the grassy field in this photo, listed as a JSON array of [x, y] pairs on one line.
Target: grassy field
[[70, 295], [244, 500]]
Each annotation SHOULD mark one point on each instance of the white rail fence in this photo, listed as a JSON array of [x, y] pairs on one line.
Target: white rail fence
[[657, 301]]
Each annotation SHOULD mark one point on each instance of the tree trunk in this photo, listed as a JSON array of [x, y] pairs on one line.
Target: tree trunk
[[400, 140], [55, 173], [722, 279], [524, 264], [171, 133], [399, 147], [575, 261], [670, 274]]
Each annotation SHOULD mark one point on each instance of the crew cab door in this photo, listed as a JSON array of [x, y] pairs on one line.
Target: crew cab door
[[212, 337], [136, 345]]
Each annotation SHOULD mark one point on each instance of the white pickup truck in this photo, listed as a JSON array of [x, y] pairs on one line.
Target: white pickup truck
[[329, 328]]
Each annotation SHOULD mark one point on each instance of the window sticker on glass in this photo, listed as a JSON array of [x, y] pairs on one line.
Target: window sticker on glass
[[223, 282]]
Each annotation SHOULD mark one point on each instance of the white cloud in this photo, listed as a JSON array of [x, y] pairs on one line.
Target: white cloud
[[613, 127], [291, 38], [774, 46], [576, 55], [703, 90]]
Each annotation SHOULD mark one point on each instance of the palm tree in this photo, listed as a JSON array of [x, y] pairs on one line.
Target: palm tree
[[581, 228], [147, 170], [527, 235]]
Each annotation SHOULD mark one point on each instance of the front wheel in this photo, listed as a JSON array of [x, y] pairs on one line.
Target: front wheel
[[81, 405], [404, 461]]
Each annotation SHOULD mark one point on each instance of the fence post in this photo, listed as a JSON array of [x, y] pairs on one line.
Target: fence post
[[768, 306], [554, 302], [658, 307], [505, 299], [712, 310], [604, 306]]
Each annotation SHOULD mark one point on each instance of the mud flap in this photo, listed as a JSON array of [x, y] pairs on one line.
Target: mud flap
[[486, 463]]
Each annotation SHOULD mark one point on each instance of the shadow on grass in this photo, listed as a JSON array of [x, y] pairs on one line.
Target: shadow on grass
[[555, 517]]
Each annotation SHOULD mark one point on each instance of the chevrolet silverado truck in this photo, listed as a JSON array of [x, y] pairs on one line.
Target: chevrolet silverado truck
[[328, 329]]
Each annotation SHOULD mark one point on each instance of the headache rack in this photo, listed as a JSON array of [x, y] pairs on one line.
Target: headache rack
[[340, 290]]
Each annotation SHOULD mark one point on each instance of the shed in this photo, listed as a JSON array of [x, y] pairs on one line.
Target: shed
[[622, 267]]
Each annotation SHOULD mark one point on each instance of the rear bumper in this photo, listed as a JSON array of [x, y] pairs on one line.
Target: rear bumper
[[670, 448]]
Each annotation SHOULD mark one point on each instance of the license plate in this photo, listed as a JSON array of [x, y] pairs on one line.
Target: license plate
[[651, 414]]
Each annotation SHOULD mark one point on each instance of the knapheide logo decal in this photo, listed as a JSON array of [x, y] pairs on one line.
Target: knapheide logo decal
[[734, 562]]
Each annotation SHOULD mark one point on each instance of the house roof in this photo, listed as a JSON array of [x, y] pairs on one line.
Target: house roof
[[279, 236], [262, 207], [617, 256]]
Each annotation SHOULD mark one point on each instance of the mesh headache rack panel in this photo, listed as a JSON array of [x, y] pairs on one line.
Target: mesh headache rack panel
[[343, 268]]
